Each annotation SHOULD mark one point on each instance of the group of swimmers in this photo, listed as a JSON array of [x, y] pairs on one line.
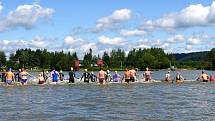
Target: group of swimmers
[[178, 78], [21, 76], [204, 77], [105, 76], [102, 76]]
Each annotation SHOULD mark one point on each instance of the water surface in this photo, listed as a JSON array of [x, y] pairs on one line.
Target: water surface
[[157, 101]]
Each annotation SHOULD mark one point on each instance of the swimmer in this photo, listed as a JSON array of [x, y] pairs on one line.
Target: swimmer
[[101, 76], [147, 74], [9, 77], [23, 76]]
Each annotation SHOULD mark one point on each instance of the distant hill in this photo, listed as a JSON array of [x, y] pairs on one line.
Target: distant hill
[[194, 56]]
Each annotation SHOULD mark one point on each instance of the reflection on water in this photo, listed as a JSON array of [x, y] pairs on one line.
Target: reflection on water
[[158, 101]]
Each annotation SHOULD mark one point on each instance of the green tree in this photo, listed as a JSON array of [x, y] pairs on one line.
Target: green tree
[[106, 59], [211, 58], [117, 58], [87, 61], [2, 58]]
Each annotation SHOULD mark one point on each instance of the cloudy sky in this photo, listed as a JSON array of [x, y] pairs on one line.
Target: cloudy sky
[[177, 26]]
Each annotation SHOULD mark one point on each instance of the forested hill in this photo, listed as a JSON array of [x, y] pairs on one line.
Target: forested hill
[[194, 56]]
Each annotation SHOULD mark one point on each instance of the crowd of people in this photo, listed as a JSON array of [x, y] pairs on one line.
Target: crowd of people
[[204, 77], [101, 77], [9, 77]]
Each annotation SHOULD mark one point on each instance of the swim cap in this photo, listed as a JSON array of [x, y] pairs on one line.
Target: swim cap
[[147, 68]]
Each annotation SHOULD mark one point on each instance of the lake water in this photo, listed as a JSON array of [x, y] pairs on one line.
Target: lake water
[[78, 102]]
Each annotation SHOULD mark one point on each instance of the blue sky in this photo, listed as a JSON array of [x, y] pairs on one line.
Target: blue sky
[[103, 25]]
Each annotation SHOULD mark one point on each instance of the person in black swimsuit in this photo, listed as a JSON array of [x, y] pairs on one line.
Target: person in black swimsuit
[[71, 76], [86, 76], [93, 77], [179, 78]]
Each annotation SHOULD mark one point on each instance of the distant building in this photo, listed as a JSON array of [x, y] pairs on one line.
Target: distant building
[[77, 65]]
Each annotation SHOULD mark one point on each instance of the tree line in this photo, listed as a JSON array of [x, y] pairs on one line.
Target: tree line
[[154, 58], [42, 59], [138, 58]]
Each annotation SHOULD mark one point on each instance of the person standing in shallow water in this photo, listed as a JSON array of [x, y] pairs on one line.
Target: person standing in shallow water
[[71, 75], [101, 76], [18, 77], [116, 77], [23, 76], [54, 75], [127, 75], [9, 77], [61, 75], [108, 76], [86, 76], [41, 79], [47, 75], [203, 77], [93, 77], [168, 77], [179, 78], [147, 74], [212, 78], [132, 75]]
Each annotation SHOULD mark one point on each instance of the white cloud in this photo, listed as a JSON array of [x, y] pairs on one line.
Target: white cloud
[[159, 44], [78, 44], [142, 46], [165, 45], [104, 43], [211, 15], [39, 42], [87, 46], [69, 40], [1, 7], [176, 39], [155, 43], [133, 33], [194, 15], [117, 16], [194, 41], [10, 46], [189, 47], [25, 16], [116, 41]]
